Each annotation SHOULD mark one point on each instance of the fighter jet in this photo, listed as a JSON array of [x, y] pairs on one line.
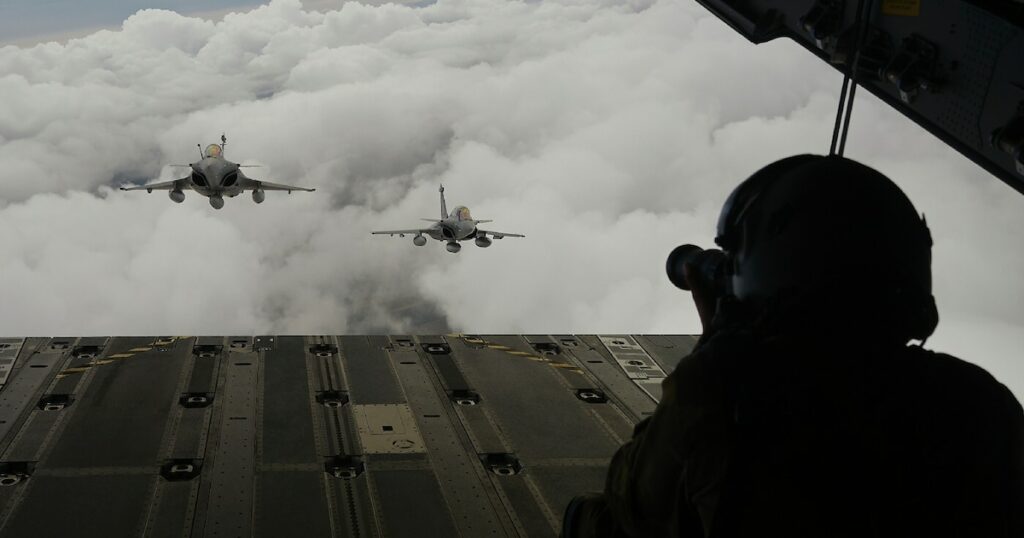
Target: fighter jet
[[454, 227], [215, 177]]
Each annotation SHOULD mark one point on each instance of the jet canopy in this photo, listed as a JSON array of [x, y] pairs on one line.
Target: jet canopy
[[214, 150], [462, 213]]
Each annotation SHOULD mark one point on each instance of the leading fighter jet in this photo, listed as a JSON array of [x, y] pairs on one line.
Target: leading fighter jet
[[215, 177], [454, 227]]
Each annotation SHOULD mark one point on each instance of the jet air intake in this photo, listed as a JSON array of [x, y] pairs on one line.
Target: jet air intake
[[258, 196], [216, 201], [453, 247], [176, 196]]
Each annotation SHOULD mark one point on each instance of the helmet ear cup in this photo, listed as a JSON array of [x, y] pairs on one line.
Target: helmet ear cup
[[922, 322]]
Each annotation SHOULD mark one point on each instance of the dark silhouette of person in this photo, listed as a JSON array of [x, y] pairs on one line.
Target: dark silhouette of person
[[809, 407]]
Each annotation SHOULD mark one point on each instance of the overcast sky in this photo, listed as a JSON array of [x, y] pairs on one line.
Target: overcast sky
[[608, 132]]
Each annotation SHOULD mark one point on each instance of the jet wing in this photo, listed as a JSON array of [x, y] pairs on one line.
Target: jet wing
[[498, 235], [268, 186], [179, 184], [401, 232]]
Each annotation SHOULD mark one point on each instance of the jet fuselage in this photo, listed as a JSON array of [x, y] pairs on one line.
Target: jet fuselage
[[453, 228], [216, 176]]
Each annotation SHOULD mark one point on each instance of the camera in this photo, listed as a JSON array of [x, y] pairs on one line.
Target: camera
[[710, 266]]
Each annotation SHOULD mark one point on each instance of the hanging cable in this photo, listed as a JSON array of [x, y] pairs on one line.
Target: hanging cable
[[849, 89], [839, 114]]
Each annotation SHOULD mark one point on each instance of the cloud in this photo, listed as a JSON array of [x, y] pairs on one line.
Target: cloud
[[606, 132]]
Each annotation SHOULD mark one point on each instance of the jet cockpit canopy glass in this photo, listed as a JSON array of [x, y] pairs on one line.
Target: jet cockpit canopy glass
[[462, 213], [214, 150]]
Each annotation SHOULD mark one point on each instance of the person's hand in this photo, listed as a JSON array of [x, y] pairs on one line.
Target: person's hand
[[703, 295]]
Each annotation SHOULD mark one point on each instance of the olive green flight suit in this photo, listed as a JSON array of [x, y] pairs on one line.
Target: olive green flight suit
[[817, 439]]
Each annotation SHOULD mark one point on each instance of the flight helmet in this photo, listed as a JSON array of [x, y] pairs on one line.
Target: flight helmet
[[828, 235]]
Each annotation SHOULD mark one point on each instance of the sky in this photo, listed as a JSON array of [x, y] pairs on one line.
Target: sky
[[29, 19], [606, 131]]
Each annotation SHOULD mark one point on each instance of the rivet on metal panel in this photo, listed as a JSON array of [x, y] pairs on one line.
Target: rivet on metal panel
[[13, 473], [403, 444], [437, 349], [194, 400], [206, 351], [344, 467], [547, 348], [465, 397], [55, 402], [181, 469], [332, 398], [591, 396], [501, 464], [86, 352], [323, 350]]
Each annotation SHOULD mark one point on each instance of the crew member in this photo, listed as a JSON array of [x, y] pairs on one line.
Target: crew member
[[809, 407]]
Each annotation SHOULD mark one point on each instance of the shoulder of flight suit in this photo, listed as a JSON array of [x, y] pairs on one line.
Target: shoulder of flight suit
[[667, 478]]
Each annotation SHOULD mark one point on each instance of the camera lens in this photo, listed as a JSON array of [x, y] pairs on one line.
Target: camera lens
[[680, 256]]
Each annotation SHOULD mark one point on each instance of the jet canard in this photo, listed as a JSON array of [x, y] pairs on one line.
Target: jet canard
[[453, 227], [215, 177]]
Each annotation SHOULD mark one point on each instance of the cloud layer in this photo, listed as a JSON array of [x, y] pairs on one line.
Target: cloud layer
[[607, 132]]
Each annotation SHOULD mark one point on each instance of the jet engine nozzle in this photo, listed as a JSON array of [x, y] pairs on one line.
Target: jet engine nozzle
[[419, 241], [483, 241], [259, 195], [217, 202], [176, 196], [453, 247]]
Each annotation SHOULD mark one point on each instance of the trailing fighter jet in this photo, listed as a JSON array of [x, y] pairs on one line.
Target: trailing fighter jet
[[454, 227], [215, 177]]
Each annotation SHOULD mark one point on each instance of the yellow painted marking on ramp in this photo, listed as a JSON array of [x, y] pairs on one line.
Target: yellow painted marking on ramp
[[523, 354], [109, 359]]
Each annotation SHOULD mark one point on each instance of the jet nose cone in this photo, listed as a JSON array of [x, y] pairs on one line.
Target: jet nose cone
[[221, 174]]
